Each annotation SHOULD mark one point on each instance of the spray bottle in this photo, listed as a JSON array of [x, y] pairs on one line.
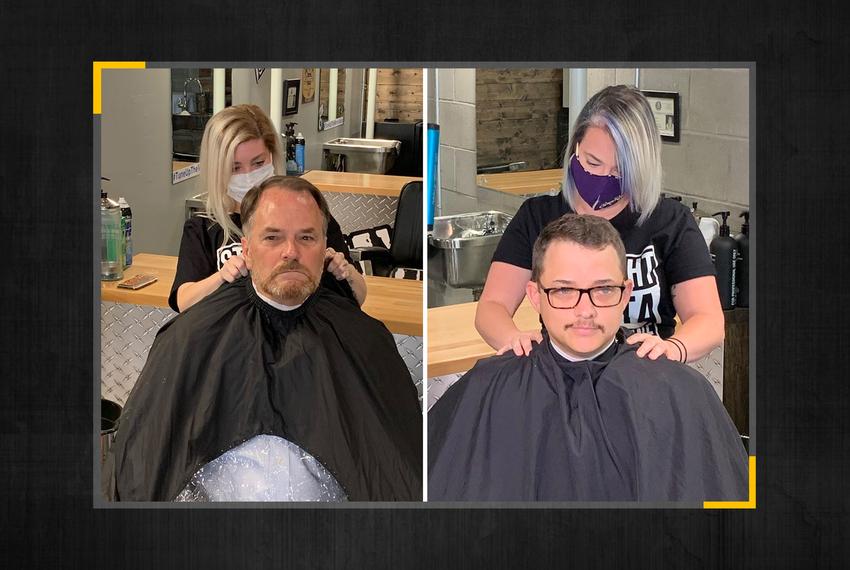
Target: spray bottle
[[743, 240], [300, 143], [111, 239], [724, 252]]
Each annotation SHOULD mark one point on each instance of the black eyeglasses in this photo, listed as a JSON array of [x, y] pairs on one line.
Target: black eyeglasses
[[568, 297]]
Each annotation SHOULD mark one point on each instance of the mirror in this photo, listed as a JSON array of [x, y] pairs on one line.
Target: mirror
[[331, 98], [191, 108]]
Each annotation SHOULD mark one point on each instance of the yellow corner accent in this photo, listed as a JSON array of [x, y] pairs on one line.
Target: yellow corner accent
[[750, 504], [97, 67]]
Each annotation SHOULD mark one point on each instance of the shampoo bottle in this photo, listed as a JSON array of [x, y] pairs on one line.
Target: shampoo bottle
[[743, 240], [299, 152], [724, 253]]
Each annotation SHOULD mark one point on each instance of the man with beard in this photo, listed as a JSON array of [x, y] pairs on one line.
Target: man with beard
[[272, 388], [582, 418]]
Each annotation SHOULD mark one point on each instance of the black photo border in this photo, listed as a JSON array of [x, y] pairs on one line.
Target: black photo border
[[673, 96]]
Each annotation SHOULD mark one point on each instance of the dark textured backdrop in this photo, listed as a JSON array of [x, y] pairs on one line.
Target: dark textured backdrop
[[47, 314]]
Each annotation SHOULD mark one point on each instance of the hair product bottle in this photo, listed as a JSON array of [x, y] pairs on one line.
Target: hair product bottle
[[127, 230], [695, 212], [299, 152], [743, 240], [724, 253], [289, 134], [111, 240]]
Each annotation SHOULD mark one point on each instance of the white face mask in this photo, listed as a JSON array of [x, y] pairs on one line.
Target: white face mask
[[240, 183]]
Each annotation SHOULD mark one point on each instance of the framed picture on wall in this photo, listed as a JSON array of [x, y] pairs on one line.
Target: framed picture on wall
[[291, 94], [309, 89], [665, 108]]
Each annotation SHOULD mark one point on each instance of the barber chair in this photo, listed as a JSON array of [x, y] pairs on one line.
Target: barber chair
[[403, 257]]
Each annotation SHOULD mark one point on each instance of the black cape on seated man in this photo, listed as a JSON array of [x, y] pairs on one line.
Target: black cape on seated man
[[582, 417], [324, 376], [617, 428]]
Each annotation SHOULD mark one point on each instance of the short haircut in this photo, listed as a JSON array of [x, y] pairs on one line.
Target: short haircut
[[624, 113], [586, 230], [290, 183]]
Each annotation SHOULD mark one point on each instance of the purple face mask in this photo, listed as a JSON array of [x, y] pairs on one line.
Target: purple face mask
[[598, 191]]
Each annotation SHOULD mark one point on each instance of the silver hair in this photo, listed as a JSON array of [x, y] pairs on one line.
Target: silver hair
[[625, 114]]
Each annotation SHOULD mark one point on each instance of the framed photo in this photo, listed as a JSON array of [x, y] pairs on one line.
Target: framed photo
[[665, 107], [291, 94], [309, 90]]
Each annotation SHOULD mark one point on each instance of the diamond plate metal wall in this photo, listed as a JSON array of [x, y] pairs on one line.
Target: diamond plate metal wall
[[127, 332], [410, 349], [361, 211], [710, 366], [438, 385]]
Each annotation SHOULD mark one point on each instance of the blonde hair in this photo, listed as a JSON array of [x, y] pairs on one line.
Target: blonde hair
[[624, 113], [226, 130]]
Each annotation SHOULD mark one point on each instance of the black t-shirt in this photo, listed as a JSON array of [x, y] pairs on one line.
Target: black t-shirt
[[666, 249], [201, 254]]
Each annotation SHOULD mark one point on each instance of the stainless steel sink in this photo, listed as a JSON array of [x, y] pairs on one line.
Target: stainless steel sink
[[462, 246], [370, 156]]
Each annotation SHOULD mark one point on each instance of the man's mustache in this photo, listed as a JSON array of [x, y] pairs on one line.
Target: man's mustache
[[585, 325], [285, 266]]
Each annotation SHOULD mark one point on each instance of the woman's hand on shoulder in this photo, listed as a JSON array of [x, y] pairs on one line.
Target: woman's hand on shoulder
[[652, 347], [338, 265], [521, 343], [233, 269]]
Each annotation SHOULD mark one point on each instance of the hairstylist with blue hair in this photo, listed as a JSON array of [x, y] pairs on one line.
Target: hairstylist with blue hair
[[613, 170]]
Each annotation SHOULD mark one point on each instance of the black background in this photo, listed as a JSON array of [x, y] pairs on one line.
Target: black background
[[46, 364]]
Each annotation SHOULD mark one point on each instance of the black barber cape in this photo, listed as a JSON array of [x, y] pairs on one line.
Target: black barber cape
[[617, 428], [325, 376]]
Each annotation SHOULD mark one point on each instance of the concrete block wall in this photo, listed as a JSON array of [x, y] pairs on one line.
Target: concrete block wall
[[456, 100]]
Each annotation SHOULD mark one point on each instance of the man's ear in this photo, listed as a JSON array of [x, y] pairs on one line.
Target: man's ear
[[533, 295], [246, 254], [627, 292]]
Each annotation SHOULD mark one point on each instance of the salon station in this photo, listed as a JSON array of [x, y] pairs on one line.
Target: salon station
[[356, 134], [502, 137]]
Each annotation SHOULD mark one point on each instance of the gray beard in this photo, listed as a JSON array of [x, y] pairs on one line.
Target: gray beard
[[289, 292]]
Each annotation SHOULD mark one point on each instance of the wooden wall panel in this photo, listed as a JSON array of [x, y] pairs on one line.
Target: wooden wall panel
[[398, 95], [517, 116]]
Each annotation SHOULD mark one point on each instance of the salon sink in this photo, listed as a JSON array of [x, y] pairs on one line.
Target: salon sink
[[461, 247], [368, 156]]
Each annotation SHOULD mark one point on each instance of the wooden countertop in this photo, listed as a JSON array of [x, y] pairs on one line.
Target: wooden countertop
[[396, 302], [155, 295], [355, 183], [453, 343], [522, 182]]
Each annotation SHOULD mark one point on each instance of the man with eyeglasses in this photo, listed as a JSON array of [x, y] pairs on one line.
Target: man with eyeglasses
[[582, 418]]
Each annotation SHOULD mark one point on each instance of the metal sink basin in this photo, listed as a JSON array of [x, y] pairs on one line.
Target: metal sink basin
[[462, 246], [369, 156]]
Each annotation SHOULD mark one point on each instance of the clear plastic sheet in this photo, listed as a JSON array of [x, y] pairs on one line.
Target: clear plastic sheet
[[264, 468]]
